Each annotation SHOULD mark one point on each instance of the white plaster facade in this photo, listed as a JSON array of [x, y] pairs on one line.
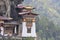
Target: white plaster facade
[[2, 30], [24, 30]]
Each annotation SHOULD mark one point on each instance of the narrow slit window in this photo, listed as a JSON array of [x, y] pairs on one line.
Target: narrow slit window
[[28, 30]]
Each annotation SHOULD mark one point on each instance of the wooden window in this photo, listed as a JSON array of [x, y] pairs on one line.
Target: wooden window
[[28, 30], [29, 22]]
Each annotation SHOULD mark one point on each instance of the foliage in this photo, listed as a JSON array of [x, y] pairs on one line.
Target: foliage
[[28, 38], [46, 29]]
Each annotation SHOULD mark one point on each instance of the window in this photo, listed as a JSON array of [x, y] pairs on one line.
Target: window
[[28, 30], [29, 22], [0, 30]]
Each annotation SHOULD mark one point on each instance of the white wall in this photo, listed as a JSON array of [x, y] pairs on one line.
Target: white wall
[[24, 30], [2, 30]]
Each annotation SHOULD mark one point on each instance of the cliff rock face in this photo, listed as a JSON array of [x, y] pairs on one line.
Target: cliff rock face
[[14, 13], [7, 8], [2, 7]]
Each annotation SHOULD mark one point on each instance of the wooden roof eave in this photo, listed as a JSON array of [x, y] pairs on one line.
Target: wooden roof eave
[[27, 13], [5, 18], [11, 24]]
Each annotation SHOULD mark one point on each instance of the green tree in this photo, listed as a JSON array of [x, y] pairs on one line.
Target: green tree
[[28, 38]]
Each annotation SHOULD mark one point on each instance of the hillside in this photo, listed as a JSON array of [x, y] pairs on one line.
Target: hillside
[[48, 20], [48, 8]]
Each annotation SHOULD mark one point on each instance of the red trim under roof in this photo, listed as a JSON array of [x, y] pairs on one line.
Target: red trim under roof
[[23, 13]]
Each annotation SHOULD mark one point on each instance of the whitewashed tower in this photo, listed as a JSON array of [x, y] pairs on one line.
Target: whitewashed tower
[[29, 26], [28, 22]]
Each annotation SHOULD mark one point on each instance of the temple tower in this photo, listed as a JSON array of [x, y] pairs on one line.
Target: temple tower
[[28, 22], [29, 26]]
